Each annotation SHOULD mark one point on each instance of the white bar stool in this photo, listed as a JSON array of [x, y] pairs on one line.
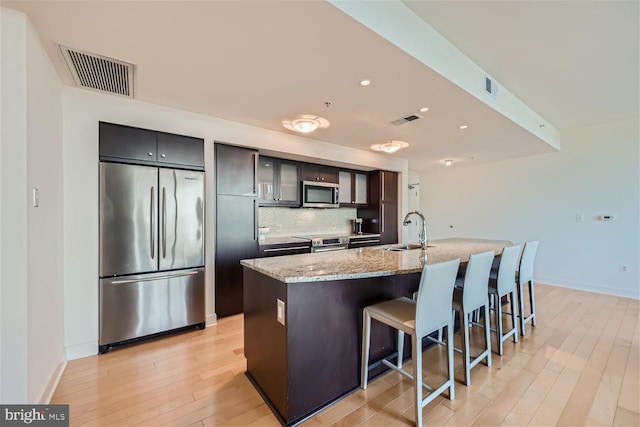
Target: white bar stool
[[501, 283], [474, 294], [431, 312], [525, 276]]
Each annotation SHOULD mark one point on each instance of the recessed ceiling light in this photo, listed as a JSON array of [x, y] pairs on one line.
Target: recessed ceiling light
[[365, 82], [306, 123], [448, 162], [424, 109], [390, 146], [463, 127]]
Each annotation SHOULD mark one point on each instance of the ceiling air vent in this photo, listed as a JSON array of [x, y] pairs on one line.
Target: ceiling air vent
[[490, 86], [406, 119], [99, 72]]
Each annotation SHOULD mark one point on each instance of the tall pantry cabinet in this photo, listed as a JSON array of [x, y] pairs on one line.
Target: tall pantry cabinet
[[236, 223], [381, 215]]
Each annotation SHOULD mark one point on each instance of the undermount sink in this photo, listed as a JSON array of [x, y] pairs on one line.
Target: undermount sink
[[405, 247]]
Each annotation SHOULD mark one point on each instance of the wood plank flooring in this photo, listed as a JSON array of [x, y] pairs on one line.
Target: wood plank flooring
[[579, 366]]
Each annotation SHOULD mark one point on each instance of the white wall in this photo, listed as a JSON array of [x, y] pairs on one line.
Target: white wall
[[82, 110], [45, 297], [13, 213], [538, 197], [31, 286]]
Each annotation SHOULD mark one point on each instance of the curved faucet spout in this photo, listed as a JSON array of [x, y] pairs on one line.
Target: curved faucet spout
[[422, 236]]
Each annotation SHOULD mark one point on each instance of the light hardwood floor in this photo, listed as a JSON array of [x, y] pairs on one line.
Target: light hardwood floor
[[579, 366]]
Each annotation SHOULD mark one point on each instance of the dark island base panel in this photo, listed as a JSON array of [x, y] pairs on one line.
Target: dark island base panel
[[315, 360]]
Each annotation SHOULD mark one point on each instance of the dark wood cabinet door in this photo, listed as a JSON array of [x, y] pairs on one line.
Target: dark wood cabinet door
[[284, 249], [122, 143], [236, 169], [236, 239], [278, 182], [381, 215], [353, 188], [315, 172], [178, 150], [267, 182], [388, 223], [389, 183], [288, 183]]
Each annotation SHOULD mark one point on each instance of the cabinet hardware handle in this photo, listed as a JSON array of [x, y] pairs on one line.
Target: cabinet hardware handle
[[163, 155], [286, 249], [255, 172], [359, 242], [150, 153], [255, 220]]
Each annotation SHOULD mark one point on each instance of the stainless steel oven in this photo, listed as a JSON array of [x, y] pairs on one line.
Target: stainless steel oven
[[326, 244]]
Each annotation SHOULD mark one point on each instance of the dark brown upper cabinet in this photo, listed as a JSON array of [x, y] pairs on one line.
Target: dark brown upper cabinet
[[278, 182], [321, 173], [127, 144], [236, 169], [353, 188]]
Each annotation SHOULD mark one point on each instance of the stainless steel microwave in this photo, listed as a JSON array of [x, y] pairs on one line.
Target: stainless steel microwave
[[319, 195]]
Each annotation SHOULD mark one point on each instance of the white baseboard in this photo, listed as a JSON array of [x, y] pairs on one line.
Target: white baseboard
[[590, 287], [47, 394], [212, 319], [82, 350]]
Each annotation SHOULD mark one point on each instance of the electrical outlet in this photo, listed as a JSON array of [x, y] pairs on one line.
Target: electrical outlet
[[579, 217], [623, 268], [278, 228], [280, 311], [333, 225]]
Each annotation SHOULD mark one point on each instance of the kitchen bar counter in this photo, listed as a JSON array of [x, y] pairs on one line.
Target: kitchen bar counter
[[303, 318], [368, 262]]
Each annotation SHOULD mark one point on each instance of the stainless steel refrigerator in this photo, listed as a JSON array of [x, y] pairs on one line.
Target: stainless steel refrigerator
[[151, 251]]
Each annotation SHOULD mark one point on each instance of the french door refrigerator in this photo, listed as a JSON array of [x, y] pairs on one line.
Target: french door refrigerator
[[151, 251]]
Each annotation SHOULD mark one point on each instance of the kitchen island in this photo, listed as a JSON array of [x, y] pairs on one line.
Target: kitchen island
[[303, 317]]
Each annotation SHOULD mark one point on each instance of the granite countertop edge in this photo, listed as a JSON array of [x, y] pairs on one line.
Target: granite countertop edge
[[367, 262]]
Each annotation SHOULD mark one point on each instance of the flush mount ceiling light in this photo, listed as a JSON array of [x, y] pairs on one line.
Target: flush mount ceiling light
[[306, 123], [463, 127], [365, 82], [390, 147], [424, 109], [448, 162]]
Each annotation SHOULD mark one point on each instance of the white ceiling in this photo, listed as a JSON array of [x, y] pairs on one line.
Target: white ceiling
[[574, 63]]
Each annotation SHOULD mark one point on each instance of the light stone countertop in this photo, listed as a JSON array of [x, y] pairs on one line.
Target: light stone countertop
[[372, 261]]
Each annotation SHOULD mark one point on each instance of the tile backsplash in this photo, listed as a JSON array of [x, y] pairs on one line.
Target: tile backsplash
[[303, 221]]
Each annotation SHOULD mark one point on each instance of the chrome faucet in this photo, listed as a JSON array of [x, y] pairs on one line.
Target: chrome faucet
[[422, 237]]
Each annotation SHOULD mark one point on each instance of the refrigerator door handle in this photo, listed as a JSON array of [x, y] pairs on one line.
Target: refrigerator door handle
[[164, 222], [150, 279], [153, 222]]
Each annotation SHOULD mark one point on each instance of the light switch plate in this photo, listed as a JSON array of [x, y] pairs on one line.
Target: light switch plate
[[36, 197], [280, 311]]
